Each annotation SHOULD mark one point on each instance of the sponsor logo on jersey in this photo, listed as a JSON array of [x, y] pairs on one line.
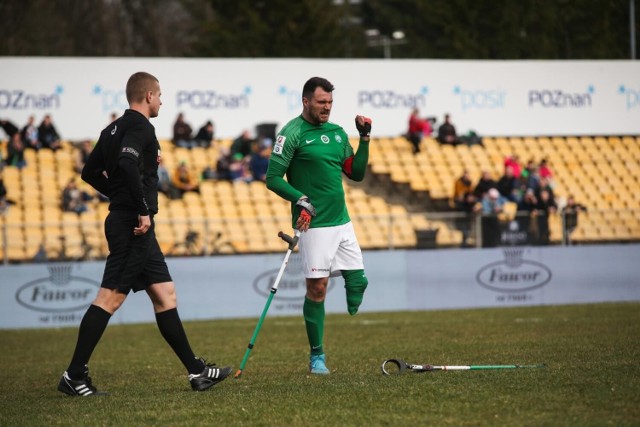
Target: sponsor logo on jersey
[[338, 139], [309, 141], [325, 139], [130, 151], [277, 147], [113, 131]]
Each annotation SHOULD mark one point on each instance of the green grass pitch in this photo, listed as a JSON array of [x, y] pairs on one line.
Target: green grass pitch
[[592, 377]]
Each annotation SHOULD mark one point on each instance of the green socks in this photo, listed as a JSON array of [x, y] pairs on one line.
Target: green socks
[[355, 282], [314, 320]]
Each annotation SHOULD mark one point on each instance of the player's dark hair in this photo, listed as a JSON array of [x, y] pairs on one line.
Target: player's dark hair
[[138, 85], [313, 83]]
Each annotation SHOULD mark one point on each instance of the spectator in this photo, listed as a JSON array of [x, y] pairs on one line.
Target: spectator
[[527, 170], [48, 135], [15, 152], [509, 186], [183, 180], [485, 183], [113, 117], [468, 206], [239, 169], [461, 188], [491, 205], [29, 134], [83, 151], [242, 145], [447, 132], [418, 127], [165, 183], [182, 133], [223, 164], [514, 162], [259, 162], [532, 177], [545, 170], [205, 135], [525, 210], [545, 207], [74, 199], [471, 138], [545, 184], [570, 216]]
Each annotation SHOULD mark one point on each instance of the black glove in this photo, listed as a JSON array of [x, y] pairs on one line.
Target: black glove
[[365, 129]]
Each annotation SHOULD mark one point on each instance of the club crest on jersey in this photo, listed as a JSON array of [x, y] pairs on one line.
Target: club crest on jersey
[[277, 147], [325, 139]]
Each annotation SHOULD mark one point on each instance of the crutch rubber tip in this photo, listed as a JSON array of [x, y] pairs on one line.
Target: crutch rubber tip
[[238, 374]]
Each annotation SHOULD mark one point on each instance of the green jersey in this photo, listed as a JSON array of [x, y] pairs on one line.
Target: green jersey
[[313, 157]]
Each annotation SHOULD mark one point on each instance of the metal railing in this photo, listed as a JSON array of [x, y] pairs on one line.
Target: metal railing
[[84, 239]]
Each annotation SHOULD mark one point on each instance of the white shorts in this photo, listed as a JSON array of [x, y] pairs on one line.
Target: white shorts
[[326, 251]]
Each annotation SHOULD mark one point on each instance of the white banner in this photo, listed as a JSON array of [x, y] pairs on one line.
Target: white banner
[[516, 98], [55, 295]]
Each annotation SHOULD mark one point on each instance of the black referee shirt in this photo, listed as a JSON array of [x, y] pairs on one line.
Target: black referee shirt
[[128, 151]]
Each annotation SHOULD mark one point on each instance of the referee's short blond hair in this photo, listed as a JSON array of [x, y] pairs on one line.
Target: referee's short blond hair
[[139, 84]]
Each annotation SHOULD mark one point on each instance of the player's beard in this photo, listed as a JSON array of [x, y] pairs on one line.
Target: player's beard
[[322, 116]]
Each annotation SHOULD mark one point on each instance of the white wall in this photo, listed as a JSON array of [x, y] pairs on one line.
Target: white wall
[[490, 97], [55, 295]]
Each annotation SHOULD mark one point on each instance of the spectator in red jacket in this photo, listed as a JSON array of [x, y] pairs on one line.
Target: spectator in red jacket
[[418, 128]]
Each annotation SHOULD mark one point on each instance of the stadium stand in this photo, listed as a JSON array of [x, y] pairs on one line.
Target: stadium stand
[[404, 199]]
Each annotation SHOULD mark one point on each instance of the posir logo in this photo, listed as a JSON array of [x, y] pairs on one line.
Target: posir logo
[[631, 97], [393, 99], [111, 100], [292, 98], [18, 99], [292, 286], [60, 292], [480, 99], [558, 98], [213, 100], [513, 274]]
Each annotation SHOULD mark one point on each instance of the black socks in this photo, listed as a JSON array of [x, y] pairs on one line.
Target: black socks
[[93, 324], [173, 332]]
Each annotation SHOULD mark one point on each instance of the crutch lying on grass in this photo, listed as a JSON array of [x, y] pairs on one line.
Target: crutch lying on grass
[[292, 241], [398, 366]]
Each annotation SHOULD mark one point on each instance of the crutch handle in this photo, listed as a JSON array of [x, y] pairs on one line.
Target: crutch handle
[[292, 241]]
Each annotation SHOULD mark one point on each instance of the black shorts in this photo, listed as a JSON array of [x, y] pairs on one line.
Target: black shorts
[[134, 262]]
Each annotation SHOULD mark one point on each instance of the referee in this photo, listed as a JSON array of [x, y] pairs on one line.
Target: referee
[[124, 166]]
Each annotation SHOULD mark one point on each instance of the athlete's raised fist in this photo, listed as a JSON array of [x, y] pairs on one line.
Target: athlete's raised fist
[[363, 124]]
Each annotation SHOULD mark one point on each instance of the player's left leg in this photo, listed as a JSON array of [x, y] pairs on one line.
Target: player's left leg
[[349, 261], [355, 283]]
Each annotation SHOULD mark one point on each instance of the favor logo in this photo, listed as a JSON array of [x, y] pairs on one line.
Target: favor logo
[[60, 292], [513, 274]]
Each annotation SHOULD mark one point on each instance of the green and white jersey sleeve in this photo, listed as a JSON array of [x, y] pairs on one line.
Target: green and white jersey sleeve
[[313, 156]]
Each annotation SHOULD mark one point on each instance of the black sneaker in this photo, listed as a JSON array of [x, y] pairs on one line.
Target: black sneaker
[[210, 376], [82, 387]]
